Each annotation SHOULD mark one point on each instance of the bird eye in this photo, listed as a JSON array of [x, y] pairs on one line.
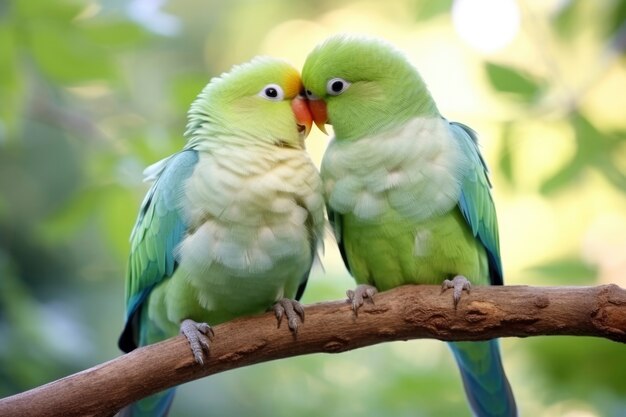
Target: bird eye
[[336, 86], [310, 95], [272, 92]]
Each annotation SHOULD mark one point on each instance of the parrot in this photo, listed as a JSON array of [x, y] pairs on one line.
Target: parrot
[[407, 192], [232, 223]]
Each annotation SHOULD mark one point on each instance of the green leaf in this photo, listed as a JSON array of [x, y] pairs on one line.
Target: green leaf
[[617, 17], [509, 80], [563, 177], [566, 20], [590, 140], [613, 174], [598, 149], [595, 149], [427, 10], [505, 163]]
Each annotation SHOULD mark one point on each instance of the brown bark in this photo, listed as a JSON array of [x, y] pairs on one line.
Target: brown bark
[[409, 312]]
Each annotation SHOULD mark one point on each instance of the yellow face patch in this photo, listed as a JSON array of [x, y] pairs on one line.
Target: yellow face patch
[[292, 83]]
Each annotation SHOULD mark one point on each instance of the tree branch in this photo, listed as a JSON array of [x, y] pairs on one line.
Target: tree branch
[[409, 312]]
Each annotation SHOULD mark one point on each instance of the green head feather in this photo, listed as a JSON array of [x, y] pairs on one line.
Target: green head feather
[[384, 89], [236, 108]]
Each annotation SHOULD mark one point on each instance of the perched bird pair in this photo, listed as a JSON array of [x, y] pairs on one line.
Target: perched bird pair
[[232, 223]]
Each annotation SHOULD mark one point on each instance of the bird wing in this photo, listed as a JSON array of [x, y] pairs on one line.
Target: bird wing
[[159, 229], [476, 202]]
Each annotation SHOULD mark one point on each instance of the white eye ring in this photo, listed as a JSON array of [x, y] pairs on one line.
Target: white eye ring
[[272, 92], [336, 86]]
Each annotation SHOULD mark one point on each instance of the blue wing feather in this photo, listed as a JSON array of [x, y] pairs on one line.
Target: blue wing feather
[[476, 203], [159, 229], [485, 382]]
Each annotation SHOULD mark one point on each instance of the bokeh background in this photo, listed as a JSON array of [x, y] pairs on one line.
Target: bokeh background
[[91, 92]]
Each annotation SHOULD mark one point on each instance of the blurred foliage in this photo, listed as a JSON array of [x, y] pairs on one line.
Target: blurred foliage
[[91, 92], [510, 80]]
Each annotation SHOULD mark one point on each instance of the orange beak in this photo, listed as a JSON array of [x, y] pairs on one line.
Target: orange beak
[[303, 115], [320, 114]]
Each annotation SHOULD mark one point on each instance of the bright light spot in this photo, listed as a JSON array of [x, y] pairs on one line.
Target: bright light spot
[[148, 13], [487, 25]]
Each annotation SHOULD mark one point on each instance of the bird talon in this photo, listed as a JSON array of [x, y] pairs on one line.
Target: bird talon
[[458, 284], [300, 310], [357, 296], [292, 310], [293, 324], [279, 311], [198, 335]]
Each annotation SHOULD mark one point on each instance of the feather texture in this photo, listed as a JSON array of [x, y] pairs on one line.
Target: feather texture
[[408, 194], [233, 222], [391, 171]]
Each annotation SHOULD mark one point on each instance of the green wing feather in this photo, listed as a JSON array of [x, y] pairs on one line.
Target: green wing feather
[[159, 229], [476, 203]]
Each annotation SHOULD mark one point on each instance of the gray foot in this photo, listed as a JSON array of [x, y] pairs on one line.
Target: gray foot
[[458, 283], [199, 336], [291, 309], [357, 296]]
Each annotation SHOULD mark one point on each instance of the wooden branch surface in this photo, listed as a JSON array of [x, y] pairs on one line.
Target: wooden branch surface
[[409, 312]]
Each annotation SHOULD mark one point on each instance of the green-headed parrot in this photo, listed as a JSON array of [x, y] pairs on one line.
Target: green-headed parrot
[[407, 192], [232, 223]]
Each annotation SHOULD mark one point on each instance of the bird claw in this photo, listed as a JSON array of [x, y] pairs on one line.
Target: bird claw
[[357, 296], [198, 335], [458, 284], [291, 309]]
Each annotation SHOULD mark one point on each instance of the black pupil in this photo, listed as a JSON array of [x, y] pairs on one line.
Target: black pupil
[[309, 93], [337, 86], [271, 92]]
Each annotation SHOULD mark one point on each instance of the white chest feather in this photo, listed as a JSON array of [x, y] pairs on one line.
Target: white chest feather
[[415, 170], [250, 210]]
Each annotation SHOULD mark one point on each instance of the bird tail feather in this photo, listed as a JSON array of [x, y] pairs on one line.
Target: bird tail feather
[[487, 388]]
